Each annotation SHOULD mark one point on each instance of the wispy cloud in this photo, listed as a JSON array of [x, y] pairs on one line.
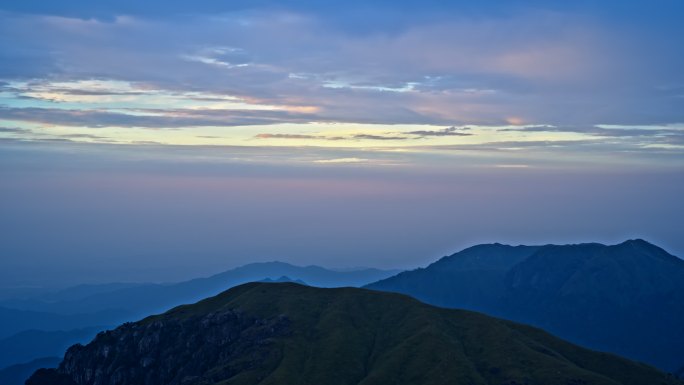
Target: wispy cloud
[[341, 160], [388, 136], [449, 131], [378, 137], [616, 131], [161, 119], [287, 136], [511, 166], [13, 130]]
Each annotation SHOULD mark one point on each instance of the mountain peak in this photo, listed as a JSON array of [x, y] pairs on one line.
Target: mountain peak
[[638, 242], [641, 246], [488, 256]]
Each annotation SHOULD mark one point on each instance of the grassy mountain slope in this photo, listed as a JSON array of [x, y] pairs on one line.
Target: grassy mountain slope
[[262, 333]]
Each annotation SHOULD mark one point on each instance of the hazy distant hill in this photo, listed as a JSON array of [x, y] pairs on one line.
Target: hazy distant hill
[[264, 333], [13, 321], [17, 374], [627, 298], [143, 299], [283, 279], [77, 292], [111, 304], [29, 344]]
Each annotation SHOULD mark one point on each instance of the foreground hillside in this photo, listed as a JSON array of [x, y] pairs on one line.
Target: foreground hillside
[[265, 333], [627, 299]]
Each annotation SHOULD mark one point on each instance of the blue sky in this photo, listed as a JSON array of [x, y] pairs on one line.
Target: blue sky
[[372, 133]]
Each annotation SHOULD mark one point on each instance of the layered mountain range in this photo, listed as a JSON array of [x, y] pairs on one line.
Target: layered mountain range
[[285, 333], [40, 324], [627, 298]]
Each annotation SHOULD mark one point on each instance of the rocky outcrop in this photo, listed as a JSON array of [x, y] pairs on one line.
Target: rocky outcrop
[[193, 350]]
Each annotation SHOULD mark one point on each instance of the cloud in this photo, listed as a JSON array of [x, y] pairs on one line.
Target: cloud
[[327, 137], [512, 166], [625, 131], [84, 136], [450, 131], [523, 146], [13, 130], [41, 136], [360, 136], [341, 160], [176, 118], [631, 138], [299, 136], [440, 66], [378, 137], [285, 136]]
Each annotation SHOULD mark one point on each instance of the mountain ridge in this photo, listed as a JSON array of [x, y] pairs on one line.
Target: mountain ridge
[[626, 298]]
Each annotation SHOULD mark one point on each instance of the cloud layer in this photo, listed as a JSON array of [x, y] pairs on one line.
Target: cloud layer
[[450, 65]]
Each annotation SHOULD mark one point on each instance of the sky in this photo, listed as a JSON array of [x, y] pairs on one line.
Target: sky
[[163, 140]]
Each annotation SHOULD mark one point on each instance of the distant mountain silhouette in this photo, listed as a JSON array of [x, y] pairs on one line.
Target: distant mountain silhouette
[[283, 279], [284, 333], [111, 304], [13, 321], [77, 292], [17, 374], [626, 299], [142, 299], [29, 344]]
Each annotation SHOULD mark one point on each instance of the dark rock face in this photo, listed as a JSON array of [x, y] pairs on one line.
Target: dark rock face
[[196, 350], [49, 377]]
